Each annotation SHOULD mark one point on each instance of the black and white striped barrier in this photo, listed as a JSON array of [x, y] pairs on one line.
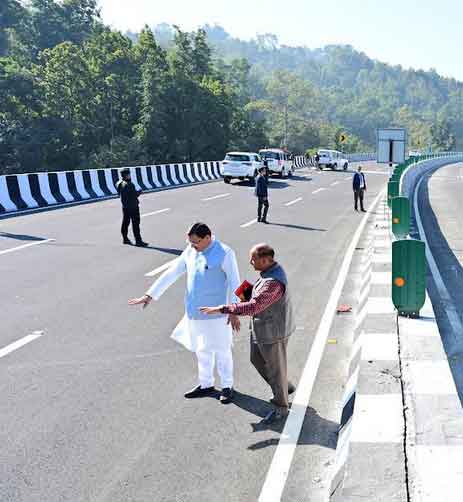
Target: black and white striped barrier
[[21, 192], [301, 161]]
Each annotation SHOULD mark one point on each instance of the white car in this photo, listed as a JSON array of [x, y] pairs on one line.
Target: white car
[[241, 165], [332, 159], [277, 161]]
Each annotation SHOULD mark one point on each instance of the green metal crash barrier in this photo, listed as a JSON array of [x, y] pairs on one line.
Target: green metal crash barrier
[[408, 276], [400, 217], [392, 191]]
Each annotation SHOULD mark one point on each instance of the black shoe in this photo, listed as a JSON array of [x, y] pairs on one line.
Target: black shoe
[[364, 210], [258, 220], [264, 221], [291, 388], [141, 244], [274, 416], [199, 392], [127, 241], [226, 395]]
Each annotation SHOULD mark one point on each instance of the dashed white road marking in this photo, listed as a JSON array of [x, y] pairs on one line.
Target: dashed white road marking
[[156, 212], [161, 268], [249, 223], [277, 474], [20, 343], [24, 246], [290, 203], [318, 190], [221, 196], [335, 183]]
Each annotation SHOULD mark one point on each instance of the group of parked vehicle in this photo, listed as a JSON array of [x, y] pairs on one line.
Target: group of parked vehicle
[[246, 165]]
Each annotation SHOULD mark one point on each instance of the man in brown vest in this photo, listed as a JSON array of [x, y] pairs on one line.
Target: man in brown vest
[[272, 323]]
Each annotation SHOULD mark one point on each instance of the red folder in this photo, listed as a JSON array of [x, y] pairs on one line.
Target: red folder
[[244, 292]]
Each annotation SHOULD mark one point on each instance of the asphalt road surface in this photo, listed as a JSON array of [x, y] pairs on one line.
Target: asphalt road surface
[[92, 404]]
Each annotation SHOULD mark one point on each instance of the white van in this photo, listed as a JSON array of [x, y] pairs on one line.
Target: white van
[[277, 161], [332, 159], [240, 165]]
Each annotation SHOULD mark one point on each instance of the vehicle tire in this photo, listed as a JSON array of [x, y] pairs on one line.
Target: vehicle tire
[[335, 166], [227, 179], [346, 165]]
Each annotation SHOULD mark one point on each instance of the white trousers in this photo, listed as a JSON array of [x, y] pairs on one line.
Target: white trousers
[[206, 361]]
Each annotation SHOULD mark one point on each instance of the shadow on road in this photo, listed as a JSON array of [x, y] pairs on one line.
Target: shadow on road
[[298, 227], [176, 252], [315, 429], [21, 237]]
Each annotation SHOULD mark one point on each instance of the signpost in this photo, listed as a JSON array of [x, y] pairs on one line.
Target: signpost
[[391, 145]]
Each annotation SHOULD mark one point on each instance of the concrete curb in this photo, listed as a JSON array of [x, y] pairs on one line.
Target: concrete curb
[[370, 452]]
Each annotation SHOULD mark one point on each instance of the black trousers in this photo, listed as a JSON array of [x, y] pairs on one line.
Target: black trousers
[[131, 215], [262, 204], [358, 195]]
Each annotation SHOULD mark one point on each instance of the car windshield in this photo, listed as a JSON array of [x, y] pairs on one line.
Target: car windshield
[[269, 155], [235, 157], [324, 152]]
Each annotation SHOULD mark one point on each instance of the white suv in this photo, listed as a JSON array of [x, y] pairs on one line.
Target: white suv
[[332, 159], [277, 162], [240, 165]]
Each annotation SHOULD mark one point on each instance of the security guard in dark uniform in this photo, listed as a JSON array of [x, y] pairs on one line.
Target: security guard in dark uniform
[[130, 210]]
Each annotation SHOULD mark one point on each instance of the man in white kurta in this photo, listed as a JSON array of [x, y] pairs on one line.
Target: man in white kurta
[[212, 273]]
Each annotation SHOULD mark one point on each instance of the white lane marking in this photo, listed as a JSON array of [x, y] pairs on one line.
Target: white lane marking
[[279, 469], [378, 418], [20, 343], [221, 196], [335, 183], [249, 223], [161, 268], [450, 310], [156, 212], [318, 190], [293, 201], [24, 246]]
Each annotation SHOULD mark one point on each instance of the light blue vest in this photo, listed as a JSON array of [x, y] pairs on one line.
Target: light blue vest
[[206, 281]]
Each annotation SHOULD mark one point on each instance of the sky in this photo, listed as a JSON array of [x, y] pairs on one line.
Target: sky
[[415, 34]]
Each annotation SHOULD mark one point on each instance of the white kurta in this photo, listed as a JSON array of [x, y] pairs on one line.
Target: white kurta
[[213, 335]]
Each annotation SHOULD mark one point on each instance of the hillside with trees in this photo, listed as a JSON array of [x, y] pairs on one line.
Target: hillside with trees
[[75, 93]]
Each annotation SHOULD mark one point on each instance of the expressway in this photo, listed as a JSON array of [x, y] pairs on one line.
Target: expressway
[[92, 404]]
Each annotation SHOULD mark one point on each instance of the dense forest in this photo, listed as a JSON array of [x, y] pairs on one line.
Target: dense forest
[[75, 93]]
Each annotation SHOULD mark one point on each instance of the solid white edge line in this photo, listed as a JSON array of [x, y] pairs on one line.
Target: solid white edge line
[[18, 344], [161, 268], [293, 201], [249, 223], [24, 246], [277, 474], [221, 196], [450, 309], [318, 190], [156, 212]]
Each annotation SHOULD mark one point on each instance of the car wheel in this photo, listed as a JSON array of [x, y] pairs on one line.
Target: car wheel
[[227, 179], [335, 166], [346, 166]]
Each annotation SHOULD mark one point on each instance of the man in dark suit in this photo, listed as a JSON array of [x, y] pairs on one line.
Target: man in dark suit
[[261, 192], [130, 208], [359, 185]]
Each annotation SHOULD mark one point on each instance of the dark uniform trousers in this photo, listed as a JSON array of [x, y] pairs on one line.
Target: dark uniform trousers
[[131, 215], [358, 195], [270, 361], [262, 204]]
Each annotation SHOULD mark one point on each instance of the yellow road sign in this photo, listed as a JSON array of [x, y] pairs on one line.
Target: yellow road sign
[[343, 138]]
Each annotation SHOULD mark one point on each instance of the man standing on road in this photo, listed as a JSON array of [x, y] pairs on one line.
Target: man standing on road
[[261, 192], [130, 208], [359, 185], [212, 276], [272, 323]]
